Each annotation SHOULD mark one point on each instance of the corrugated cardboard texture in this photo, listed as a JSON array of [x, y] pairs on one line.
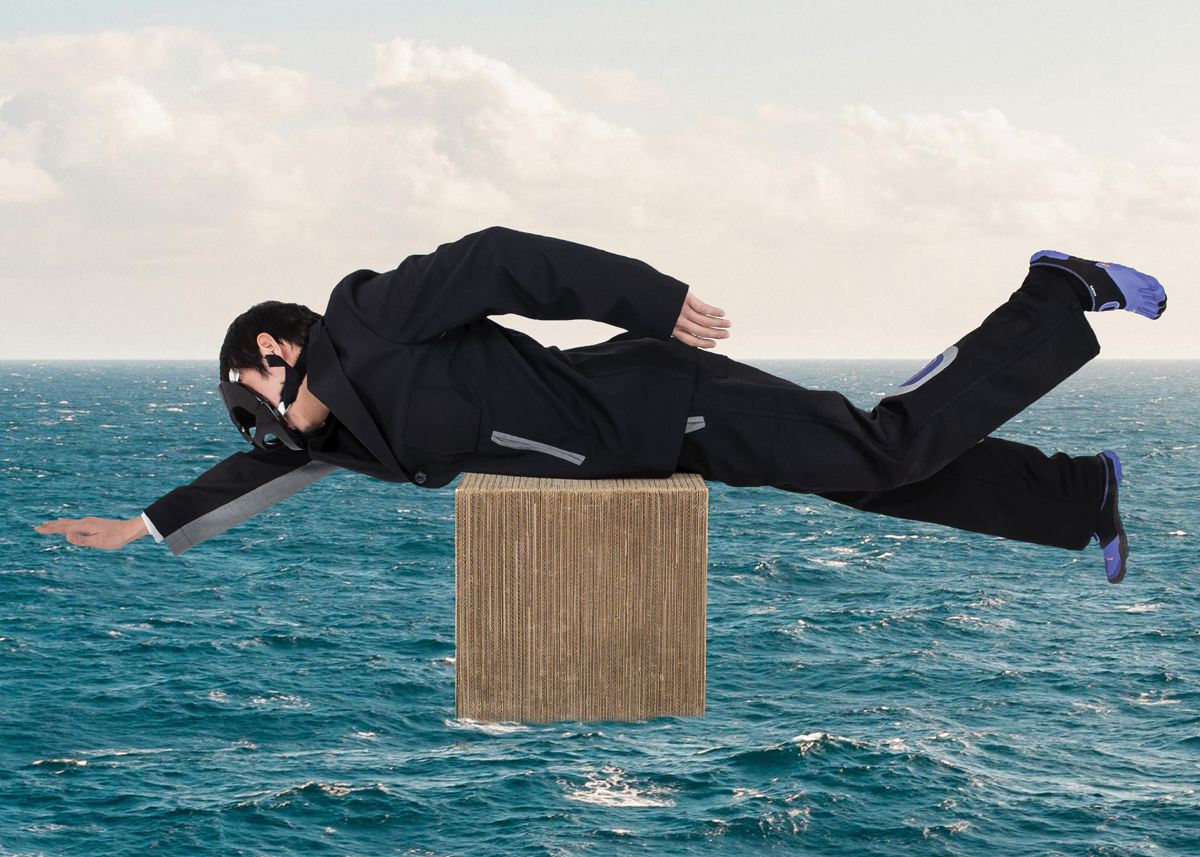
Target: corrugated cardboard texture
[[579, 599]]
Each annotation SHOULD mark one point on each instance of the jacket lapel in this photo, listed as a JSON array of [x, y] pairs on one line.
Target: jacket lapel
[[328, 383]]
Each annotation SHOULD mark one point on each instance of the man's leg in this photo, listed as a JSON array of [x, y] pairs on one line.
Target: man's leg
[[1024, 349], [759, 429], [765, 430], [1001, 488], [997, 487]]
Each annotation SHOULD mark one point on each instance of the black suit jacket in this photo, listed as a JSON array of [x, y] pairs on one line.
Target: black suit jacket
[[423, 386]]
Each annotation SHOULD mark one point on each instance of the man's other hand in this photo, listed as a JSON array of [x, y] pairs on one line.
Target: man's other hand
[[102, 533], [697, 327]]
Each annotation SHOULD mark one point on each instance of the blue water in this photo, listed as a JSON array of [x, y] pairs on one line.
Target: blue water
[[874, 685]]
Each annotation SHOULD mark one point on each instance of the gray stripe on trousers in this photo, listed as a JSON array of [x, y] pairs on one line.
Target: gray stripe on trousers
[[511, 440]]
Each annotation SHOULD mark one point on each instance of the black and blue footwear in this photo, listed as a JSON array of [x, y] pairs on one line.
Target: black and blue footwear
[[1103, 286], [1110, 535]]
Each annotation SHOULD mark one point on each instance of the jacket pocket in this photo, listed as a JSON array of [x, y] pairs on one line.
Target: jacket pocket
[[515, 442], [441, 420]]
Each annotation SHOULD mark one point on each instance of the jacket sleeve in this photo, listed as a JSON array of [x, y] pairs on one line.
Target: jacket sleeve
[[231, 491], [498, 271]]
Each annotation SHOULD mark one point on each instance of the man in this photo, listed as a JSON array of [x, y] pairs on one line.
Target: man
[[405, 378]]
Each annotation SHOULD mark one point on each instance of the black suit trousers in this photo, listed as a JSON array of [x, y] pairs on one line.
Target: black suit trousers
[[923, 452]]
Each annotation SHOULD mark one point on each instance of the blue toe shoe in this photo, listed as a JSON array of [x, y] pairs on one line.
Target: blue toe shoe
[[1140, 292], [1116, 552]]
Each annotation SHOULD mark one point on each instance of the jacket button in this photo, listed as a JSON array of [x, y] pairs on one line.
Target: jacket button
[[419, 477]]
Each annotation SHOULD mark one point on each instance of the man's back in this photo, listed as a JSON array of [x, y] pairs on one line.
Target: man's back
[[422, 386]]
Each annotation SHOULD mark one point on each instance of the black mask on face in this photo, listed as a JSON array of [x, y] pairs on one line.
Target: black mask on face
[[293, 376]]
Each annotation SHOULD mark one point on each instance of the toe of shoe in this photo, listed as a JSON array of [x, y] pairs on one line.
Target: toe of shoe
[[1116, 555], [1152, 297], [1116, 552]]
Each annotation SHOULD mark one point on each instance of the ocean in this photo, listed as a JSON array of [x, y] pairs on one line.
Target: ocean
[[874, 685]]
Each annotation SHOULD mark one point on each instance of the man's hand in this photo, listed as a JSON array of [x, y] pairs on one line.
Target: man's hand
[[695, 325], [102, 533]]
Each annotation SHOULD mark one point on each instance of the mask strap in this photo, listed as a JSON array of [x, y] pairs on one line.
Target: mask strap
[[292, 377]]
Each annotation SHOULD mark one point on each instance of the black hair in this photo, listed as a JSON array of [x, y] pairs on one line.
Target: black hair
[[286, 322]]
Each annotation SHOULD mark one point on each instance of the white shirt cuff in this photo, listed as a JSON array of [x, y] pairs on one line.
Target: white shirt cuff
[[151, 528]]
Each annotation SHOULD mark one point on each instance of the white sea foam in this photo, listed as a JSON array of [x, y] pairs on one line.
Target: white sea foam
[[744, 792], [334, 789], [498, 728], [975, 623], [1144, 698], [130, 751], [241, 744], [284, 699], [952, 828], [610, 786], [1094, 707], [795, 629], [809, 740], [1139, 608]]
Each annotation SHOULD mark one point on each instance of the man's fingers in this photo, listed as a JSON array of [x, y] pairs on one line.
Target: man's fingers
[[695, 302], [701, 329], [705, 320], [77, 532], [706, 312], [691, 338], [700, 323], [62, 525]]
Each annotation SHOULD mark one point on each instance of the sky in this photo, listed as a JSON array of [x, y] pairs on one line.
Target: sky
[[845, 179]]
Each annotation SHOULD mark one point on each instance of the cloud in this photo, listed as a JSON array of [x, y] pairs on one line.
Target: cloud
[[975, 171], [488, 120], [615, 84], [24, 181], [174, 167]]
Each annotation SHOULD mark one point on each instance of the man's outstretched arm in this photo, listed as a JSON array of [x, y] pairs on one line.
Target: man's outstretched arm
[[228, 493], [498, 271]]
